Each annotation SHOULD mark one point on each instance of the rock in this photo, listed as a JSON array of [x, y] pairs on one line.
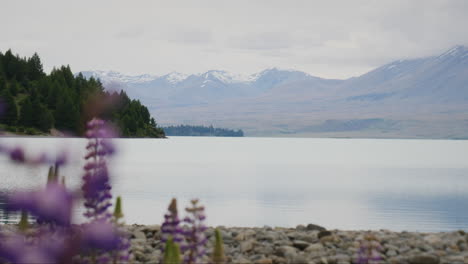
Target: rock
[[247, 245], [152, 228], [314, 248], [279, 260], [308, 237], [342, 258], [301, 228], [327, 239], [139, 235], [264, 261], [312, 227], [300, 244], [391, 253], [432, 239], [241, 236], [299, 259], [264, 249], [424, 259], [268, 236], [324, 234], [138, 242], [286, 251], [241, 260]]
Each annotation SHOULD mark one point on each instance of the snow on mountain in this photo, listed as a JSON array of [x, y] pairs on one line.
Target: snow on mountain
[[457, 51], [113, 76], [175, 77], [423, 96]]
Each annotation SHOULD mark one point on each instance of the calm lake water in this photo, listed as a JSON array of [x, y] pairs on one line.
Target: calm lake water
[[414, 185]]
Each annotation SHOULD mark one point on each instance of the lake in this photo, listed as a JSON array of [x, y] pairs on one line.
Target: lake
[[414, 185]]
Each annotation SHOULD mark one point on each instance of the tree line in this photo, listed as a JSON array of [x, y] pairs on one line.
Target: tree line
[[186, 130], [33, 102]]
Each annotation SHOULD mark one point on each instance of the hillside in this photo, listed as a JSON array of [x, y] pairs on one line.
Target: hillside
[[412, 98], [34, 102]]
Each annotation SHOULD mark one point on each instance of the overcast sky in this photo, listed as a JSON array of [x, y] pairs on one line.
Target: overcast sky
[[333, 39]]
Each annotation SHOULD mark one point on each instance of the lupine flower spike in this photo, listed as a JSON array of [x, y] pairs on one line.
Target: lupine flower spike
[[170, 226], [122, 254], [118, 209], [194, 233], [369, 251], [218, 250], [23, 224], [96, 187], [171, 252]]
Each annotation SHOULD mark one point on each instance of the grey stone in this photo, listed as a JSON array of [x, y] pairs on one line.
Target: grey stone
[[301, 228], [139, 235], [286, 251], [300, 244], [314, 248], [241, 260], [247, 245], [312, 227], [424, 259], [323, 234]]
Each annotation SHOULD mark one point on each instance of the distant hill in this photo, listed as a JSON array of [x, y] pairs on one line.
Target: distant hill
[[184, 130], [413, 98]]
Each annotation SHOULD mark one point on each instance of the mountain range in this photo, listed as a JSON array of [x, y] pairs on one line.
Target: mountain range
[[413, 98]]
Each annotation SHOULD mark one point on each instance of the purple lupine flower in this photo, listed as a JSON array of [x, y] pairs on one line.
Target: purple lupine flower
[[194, 233], [46, 247], [51, 204], [369, 251], [18, 155], [96, 186], [101, 235], [171, 226]]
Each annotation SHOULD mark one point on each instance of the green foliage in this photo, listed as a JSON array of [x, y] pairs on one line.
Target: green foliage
[[10, 111], [23, 224], [118, 209], [52, 176], [218, 250], [171, 252], [33, 101], [27, 113], [185, 130]]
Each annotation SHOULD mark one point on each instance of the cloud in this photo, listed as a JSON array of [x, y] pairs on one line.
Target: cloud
[[261, 41], [334, 38], [133, 32], [189, 36]]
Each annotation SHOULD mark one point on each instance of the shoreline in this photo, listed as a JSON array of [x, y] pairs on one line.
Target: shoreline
[[313, 244]]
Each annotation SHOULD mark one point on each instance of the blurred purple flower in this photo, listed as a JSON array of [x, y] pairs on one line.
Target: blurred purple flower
[[17, 154], [51, 204], [170, 226], [194, 233], [45, 248], [369, 251], [101, 235]]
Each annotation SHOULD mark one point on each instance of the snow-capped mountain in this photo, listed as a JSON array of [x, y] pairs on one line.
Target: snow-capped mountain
[[427, 97], [268, 77], [179, 88], [113, 76]]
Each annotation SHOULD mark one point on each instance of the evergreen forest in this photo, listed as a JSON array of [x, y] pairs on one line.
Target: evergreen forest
[[33, 102], [186, 130]]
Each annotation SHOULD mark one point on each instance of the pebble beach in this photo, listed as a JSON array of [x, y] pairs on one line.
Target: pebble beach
[[313, 244]]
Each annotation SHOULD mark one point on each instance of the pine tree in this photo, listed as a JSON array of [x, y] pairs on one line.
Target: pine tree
[[27, 114], [10, 114], [35, 71]]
